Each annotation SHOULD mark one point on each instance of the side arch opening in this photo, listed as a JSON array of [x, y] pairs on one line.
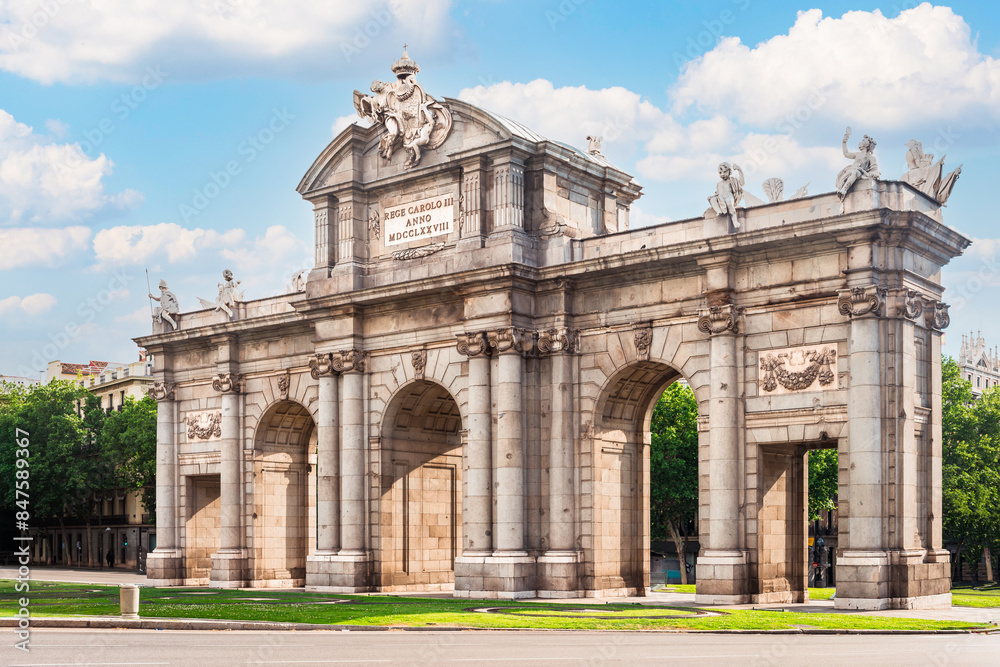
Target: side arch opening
[[284, 438], [622, 490]]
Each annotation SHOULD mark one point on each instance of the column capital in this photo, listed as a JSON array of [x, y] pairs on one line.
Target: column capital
[[228, 383], [350, 361], [320, 364], [719, 319], [940, 318], [553, 341], [162, 391], [912, 306], [511, 340], [860, 301], [473, 344]]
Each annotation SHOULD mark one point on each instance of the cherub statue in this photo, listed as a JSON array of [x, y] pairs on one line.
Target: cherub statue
[[228, 296], [168, 308], [864, 166], [728, 192]]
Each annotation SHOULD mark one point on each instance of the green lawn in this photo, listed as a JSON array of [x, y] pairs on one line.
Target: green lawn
[[983, 596], [59, 599]]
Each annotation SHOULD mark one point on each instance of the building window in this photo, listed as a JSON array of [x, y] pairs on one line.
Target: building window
[[977, 381]]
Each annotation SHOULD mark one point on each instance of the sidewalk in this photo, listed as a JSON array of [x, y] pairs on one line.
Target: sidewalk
[[76, 575]]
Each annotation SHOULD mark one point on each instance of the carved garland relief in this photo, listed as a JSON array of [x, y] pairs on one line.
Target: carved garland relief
[[798, 369], [204, 425]]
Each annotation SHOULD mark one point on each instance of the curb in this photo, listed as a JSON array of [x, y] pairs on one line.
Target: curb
[[116, 623]]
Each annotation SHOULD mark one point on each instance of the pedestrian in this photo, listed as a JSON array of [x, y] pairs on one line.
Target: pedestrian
[[111, 558]]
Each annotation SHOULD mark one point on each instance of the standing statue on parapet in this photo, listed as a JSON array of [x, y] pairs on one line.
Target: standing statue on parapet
[[228, 296], [728, 192], [864, 166], [407, 112], [168, 309], [926, 175]]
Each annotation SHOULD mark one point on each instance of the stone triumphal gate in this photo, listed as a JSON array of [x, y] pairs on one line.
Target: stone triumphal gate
[[458, 396]]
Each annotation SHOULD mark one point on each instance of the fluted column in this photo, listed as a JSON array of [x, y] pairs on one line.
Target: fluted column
[[560, 343], [351, 364], [477, 510], [327, 456], [230, 384], [510, 343]]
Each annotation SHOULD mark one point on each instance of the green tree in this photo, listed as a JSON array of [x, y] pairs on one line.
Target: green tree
[[822, 481], [128, 443], [673, 467], [971, 466], [62, 461]]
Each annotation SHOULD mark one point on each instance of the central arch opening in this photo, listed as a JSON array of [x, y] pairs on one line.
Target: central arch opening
[[622, 476], [421, 491]]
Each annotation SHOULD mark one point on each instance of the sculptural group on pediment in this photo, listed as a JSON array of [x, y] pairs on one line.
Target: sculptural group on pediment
[[411, 117]]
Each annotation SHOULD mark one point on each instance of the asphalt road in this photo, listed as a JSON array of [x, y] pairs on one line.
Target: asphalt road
[[52, 646]]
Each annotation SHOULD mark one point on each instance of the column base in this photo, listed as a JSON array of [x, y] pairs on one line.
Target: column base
[[346, 572], [228, 570], [897, 579], [722, 578], [165, 567], [502, 575], [559, 575]]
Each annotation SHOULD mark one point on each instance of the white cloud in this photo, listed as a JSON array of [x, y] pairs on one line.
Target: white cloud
[[135, 244], [141, 315], [91, 41], [342, 122], [570, 114], [271, 255], [33, 304], [922, 65], [32, 246], [40, 180]]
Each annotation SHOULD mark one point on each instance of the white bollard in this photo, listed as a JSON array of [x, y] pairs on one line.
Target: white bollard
[[129, 598]]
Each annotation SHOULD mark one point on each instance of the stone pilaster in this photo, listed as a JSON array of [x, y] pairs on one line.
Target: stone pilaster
[[508, 195], [325, 222], [722, 564], [558, 567], [229, 563], [165, 565]]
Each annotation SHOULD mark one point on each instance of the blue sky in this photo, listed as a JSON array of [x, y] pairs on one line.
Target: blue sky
[[114, 119]]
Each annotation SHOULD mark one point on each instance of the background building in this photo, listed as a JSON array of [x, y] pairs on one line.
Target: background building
[[979, 364]]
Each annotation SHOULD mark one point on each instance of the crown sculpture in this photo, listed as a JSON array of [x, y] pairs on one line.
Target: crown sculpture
[[410, 116]]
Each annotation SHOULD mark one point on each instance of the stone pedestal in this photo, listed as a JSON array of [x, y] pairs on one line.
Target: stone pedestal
[[559, 575], [228, 570], [508, 576], [165, 567], [722, 578], [339, 573]]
